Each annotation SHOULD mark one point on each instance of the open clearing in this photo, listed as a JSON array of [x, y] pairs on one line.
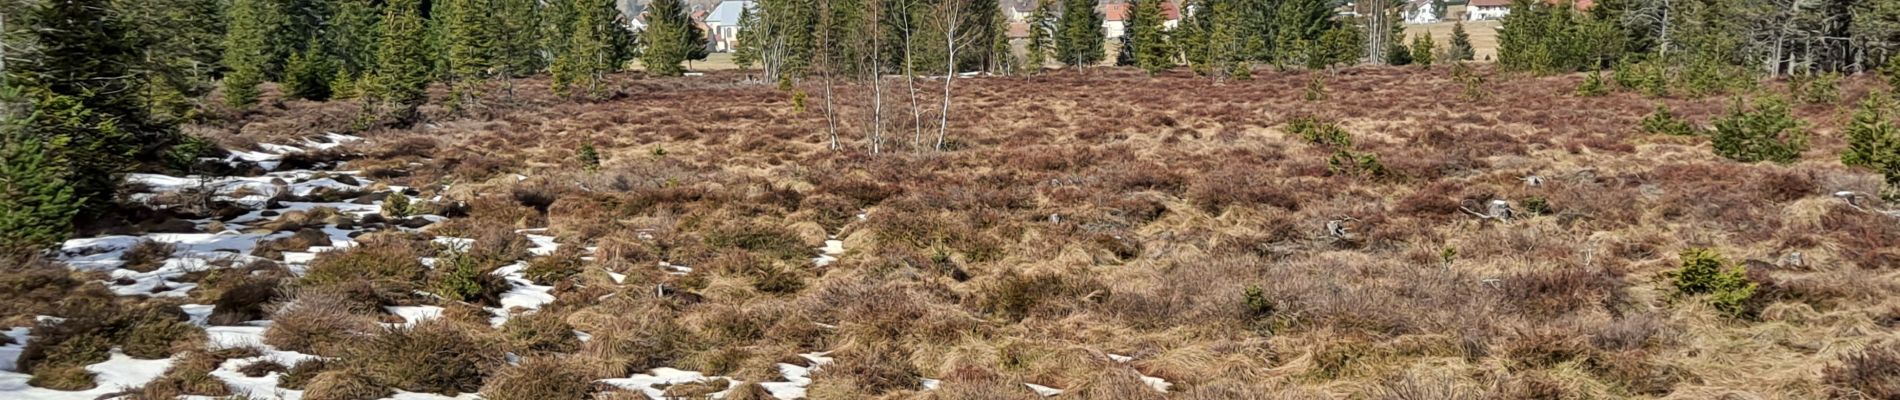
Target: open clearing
[[1098, 235]]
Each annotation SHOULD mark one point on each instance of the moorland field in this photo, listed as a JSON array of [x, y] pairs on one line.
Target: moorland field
[[1387, 233]]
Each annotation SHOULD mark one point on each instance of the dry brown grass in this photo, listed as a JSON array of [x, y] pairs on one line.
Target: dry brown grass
[[1170, 219]]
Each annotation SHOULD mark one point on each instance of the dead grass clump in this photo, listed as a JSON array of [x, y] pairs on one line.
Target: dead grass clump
[[632, 340], [343, 384], [321, 321], [262, 368], [1423, 385], [1217, 190], [243, 298], [190, 374], [540, 332], [431, 356], [1014, 296], [62, 377], [302, 240], [1872, 373], [390, 264], [538, 378], [156, 338], [300, 375], [749, 391], [770, 240], [1562, 291], [147, 255], [1115, 383], [972, 382], [866, 369]]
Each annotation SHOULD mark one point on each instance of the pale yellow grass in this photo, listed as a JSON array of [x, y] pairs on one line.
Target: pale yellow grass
[[1484, 36]]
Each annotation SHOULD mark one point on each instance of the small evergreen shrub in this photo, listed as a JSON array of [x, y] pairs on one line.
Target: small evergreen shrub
[[1592, 85], [1316, 89], [1874, 142], [589, 158], [1662, 122], [396, 206], [1705, 272], [467, 276], [1816, 88], [1768, 132], [1319, 132]]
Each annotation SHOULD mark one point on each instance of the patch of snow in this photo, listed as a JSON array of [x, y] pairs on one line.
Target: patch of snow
[[413, 314], [118, 373], [1045, 391]]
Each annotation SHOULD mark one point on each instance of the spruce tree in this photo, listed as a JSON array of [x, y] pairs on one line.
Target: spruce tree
[[581, 67], [1041, 37], [746, 47], [1460, 49], [403, 69], [668, 38], [246, 51], [1148, 37], [37, 204], [1396, 53], [1874, 142], [1226, 45], [1079, 34], [1191, 38], [182, 51], [308, 74], [468, 27], [1422, 50], [353, 36], [517, 49], [80, 76], [1298, 29]]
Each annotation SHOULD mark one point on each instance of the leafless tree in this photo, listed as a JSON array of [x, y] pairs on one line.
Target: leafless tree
[[954, 15]]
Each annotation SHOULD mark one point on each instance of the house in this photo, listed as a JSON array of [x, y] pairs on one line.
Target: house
[[1115, 18], [633, 10], [722, 24], [1422, 12], [1481, 10]]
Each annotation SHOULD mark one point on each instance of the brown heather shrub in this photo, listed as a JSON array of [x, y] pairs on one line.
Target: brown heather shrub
[[1115, 383], [156, 338], [147, 255], [385, 263], [262, 368], [1872, 373], [749, 391], [1636, 372], [1562, 291], [190, 374], [1014, 296], [243, 298], [969, 386], [301, 241], [62, 377], [540, 332], [343, 384], [870, 368], [320, 321], [431, 356], [1423, 385], [538, 378], [632, 340], [1217, 190], [301, 374], [769, 240]]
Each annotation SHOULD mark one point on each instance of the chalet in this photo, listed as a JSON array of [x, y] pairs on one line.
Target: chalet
[[722, 25], [1482, 10], [1115, 18]]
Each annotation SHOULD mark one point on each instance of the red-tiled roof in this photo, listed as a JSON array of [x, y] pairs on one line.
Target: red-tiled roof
[[1119, 11]]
